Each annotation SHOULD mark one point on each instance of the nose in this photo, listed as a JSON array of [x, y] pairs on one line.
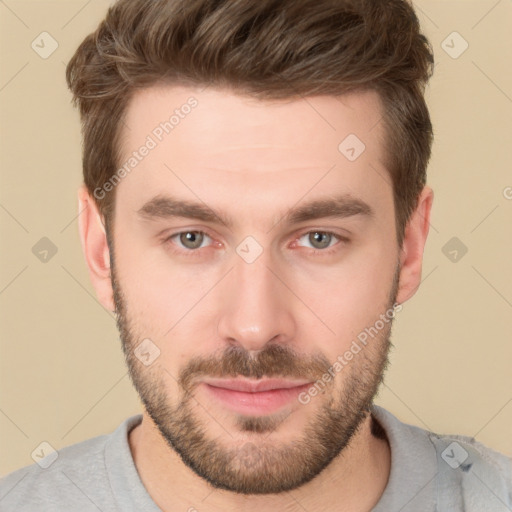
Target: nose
[[256, 307]]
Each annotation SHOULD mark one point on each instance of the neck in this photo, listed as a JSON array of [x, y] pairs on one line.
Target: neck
[[355, 480]]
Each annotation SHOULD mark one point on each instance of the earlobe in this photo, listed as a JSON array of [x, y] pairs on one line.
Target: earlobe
[[95, 247], [415, 238]]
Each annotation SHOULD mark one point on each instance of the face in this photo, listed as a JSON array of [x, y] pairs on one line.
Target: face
[[250, 249]]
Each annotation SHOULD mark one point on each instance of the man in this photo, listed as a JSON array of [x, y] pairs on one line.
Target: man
[[255, 210]]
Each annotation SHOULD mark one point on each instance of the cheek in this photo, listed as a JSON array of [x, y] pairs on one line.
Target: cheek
[[351, 296], [155, 287], [165, 304], [172, 302]]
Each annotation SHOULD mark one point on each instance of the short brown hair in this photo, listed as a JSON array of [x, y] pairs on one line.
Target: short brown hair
[[268, 49]]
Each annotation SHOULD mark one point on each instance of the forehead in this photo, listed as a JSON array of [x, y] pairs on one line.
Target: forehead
[[212, 142], [214, 121]]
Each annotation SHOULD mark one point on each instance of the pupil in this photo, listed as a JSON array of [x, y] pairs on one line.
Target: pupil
[[191, 239], [323, 242]]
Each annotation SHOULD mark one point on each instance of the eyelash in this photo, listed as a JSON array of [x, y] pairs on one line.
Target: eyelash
[[314, 252]]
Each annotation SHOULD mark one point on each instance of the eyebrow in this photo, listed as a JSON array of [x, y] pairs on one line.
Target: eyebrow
[[344, 206]]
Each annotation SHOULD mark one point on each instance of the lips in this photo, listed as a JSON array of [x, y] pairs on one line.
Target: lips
[[254, 397], [251, 386]]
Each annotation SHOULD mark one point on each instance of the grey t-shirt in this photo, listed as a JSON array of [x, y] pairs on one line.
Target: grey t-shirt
[[429, 473]]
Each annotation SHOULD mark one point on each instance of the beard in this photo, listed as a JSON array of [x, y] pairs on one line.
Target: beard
[[259, 465]]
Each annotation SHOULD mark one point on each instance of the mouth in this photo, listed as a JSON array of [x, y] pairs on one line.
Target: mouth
[[255, 397]]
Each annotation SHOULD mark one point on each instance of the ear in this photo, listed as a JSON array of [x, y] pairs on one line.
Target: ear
[[95, 247], [411, 254]]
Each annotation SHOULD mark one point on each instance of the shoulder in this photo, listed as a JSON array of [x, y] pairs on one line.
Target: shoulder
[[69, 477], [469, 474], [460, 451], [483, 475]]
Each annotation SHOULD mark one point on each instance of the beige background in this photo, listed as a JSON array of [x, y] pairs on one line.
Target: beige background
[[63, 377]]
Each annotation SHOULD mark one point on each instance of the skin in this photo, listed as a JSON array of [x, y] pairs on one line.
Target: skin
[[253, 161]]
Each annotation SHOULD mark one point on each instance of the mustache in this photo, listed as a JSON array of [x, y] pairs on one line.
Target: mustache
[[273, 361]]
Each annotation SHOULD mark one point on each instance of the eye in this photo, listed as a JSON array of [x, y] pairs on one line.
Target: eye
[[321, 240], [190, 240]]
